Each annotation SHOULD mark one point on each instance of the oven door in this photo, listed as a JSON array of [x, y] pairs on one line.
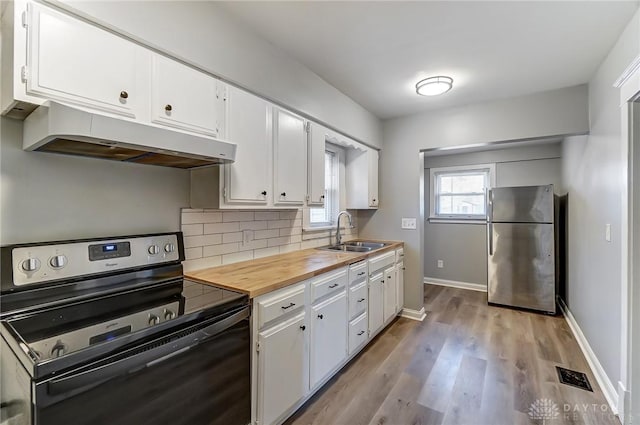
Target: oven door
[[195, 376]]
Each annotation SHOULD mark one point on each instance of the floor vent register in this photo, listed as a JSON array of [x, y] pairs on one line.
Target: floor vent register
[[574, 378]]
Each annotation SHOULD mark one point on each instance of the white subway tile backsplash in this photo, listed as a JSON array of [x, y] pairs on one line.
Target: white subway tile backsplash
[[221, 228], [267, 215], [194, 241], [192, 229], [201, 263], [226, 248], [193, 253], [237, 216], [266, 252], [254, 225], [264, 234], [232, 237], [237, 257], [215, 237]]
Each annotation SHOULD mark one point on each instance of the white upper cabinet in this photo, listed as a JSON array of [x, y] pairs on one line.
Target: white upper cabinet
[[185, 98], [73, 61], [317, 138], [290, 158], [249, 127], [362, 178]]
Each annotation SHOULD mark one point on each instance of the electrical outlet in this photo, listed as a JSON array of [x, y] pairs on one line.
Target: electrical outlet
[[440, 264], [607, 232], [247, 236], [409, 223]]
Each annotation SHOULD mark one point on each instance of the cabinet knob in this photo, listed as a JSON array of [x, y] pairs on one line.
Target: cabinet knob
[[303, 327], [124, 94], [388, 277], [404, 268], [168, 108], [320, 316], [264, 192], [283, 194], [382, 281], [322, 197]]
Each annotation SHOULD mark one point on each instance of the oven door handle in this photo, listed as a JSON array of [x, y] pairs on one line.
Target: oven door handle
[[92, 377]]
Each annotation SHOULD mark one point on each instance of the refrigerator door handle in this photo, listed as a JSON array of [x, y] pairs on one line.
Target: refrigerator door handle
[[490, 236]]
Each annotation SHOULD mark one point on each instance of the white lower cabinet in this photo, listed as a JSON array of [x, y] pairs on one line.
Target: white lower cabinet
[[283, 369], [376, 302], [390, 293], [358, 333], [328, 336]]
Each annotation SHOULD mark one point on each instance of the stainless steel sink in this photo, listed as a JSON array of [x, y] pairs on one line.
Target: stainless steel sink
[[355, 246], [366, 244]]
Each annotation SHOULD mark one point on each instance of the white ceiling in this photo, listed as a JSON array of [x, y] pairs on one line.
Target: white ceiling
[[375, 52]]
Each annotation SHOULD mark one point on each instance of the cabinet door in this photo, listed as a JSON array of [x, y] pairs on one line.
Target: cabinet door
[[373, 178], [73, 61], [185, 98], [400, 285], [328, 336], [315, 163], [282, 369], [290, 158], [390, 293], [376, 303], [249, 127]]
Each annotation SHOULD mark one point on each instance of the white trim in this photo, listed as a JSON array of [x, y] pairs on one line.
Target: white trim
[[609, 391], [409, 313], [627, 74], [455, 284]]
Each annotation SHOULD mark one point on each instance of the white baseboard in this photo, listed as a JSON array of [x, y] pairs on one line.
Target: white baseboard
[[455, 284], [418, 315], [609, 391]]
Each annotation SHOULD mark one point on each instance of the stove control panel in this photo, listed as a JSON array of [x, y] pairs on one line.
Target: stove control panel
[[49, 262], [60, 345]]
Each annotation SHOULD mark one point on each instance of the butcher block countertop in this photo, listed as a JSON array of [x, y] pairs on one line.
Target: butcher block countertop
[[258, 277]]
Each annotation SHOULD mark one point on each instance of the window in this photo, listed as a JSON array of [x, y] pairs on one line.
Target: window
[[460, 192], [323, 217]]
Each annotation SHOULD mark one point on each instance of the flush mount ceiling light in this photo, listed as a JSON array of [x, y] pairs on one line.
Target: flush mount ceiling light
[[434, 86]]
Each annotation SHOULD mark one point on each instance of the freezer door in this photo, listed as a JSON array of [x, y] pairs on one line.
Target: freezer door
[[526, 204], [521, 266]]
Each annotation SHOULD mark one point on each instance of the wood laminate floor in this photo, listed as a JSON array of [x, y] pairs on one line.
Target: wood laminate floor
[[467, 363]]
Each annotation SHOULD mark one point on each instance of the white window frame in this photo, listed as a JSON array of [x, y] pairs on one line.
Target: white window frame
[[433, 193], [339, 153]]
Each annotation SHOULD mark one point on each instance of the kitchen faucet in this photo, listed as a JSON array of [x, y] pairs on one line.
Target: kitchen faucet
[[338, 236]]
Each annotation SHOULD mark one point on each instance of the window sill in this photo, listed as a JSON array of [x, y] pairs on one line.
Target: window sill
[[457, 220], [318, 228]]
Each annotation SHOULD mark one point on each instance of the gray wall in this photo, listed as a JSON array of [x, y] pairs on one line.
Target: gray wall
[[49, 197], [202, 33], [593, 170], [462, 247], [544, 114]]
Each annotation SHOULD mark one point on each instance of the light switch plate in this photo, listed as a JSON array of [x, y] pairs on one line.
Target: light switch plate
[[409, 223]]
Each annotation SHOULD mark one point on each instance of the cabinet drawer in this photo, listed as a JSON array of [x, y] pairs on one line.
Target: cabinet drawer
[[358, 299], [280, 304], [357, 273], [399, 255], [357, 333], [381, 261], [328, 283]]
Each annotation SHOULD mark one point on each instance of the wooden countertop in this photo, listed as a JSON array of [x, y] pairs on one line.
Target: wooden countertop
[[263, 275]]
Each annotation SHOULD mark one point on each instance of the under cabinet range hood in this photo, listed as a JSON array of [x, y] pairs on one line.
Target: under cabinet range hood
[[58, 128]]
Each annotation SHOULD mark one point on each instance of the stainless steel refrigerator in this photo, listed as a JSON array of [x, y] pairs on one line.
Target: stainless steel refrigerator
[[521, 247]]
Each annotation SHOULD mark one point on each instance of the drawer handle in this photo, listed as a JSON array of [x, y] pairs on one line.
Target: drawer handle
[[303, 327], [360, 300], [335, 285], [288, 306], [320, 316], [361, 274], [360, 333]]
